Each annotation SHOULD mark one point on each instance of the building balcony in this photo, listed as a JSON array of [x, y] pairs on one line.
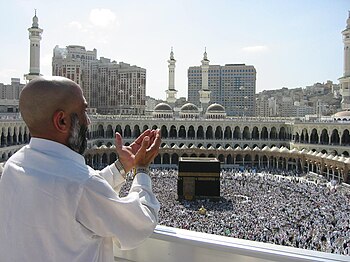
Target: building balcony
[[172, 244]]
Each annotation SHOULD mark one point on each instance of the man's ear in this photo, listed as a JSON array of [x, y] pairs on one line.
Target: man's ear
[[61, 121]]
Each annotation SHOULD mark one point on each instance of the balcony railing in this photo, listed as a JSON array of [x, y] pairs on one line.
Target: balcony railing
[[172, 245]]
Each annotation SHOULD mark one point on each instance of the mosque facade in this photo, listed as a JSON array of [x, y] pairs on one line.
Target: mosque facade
[[320, 145]]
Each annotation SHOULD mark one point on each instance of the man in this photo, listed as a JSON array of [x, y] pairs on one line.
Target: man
[[53, 207]]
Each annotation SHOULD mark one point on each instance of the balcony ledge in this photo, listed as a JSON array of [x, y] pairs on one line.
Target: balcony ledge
[[172, 244]]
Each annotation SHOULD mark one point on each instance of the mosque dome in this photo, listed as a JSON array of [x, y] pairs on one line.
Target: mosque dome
[[215, 111], [342, 115], [189, 110], [163, 107], [163, 110], [189, 107], [215, 108]]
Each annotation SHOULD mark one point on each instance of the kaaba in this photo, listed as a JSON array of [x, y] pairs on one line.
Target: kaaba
[[198, 178]]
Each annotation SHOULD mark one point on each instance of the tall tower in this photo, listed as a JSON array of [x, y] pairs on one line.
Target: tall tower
[[171, 92], [35, 38], [345, 79], [204, 93]]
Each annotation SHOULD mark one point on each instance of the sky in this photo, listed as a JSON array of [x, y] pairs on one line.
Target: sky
[[290, 43]]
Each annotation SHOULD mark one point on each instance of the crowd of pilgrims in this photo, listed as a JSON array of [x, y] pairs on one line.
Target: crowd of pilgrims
[[271, 206]]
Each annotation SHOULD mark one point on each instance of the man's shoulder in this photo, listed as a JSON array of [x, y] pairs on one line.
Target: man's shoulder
[[38, 164]]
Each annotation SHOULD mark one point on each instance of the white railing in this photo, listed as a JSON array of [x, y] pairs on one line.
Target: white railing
[[172, 245]]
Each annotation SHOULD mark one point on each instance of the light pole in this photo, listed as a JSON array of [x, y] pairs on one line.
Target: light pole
[[121, 93]]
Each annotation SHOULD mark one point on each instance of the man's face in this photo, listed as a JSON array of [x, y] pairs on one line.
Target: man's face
[[77, 140]]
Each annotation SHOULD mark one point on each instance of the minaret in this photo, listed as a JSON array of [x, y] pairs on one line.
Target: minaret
[[34, 37], [204, 93], [171, 92], [345, 80]]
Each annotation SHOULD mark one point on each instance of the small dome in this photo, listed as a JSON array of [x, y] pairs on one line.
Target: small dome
[[345, 113], [189, 107], [215, 108], [163, 107]]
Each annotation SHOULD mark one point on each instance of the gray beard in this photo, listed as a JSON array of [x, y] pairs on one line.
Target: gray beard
[[77, 140]]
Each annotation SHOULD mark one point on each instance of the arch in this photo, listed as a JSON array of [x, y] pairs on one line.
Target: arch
[[104, 159], [100, 131], [221, 158], [282, 135], [345, 138], [324, 137], [345, 153], [335, 140], [264, 161], [237, 133], [246, 133], [173, 132], [264, 133], [273, 133], [175, 159], [304, 138], [248, 160], [166, 158], [182, 132], [154, 127], [164, 132], [255, 133], [127, 131], [145, 127], [200, 132], [191, 133], [136, 132], [314, 136], [209, 133], [228, 133], [239, 160], [109, 132], [229, 159], [218, 132]]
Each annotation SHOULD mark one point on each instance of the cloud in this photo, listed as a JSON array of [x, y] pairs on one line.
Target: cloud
[[102, 17], [75, 24], [255, 49]]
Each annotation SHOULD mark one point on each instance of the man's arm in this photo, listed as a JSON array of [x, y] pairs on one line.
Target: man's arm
[[129, 220]]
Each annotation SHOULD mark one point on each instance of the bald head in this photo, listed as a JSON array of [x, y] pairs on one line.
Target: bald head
[[42, 97]]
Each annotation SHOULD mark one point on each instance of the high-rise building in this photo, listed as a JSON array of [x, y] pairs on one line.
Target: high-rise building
[[11, 91], [108, 86], [35, 38], [345, 79], [231, 85], [118, 88], [74, 62]]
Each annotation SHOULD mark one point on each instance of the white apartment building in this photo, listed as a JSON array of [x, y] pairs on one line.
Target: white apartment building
[[232, 85], [11, 91], [108, 86]]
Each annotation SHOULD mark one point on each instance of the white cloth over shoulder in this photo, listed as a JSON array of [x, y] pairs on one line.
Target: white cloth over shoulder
[[55, 208]]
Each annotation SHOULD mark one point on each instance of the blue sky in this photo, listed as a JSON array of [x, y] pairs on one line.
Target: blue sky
[[290, 43]]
